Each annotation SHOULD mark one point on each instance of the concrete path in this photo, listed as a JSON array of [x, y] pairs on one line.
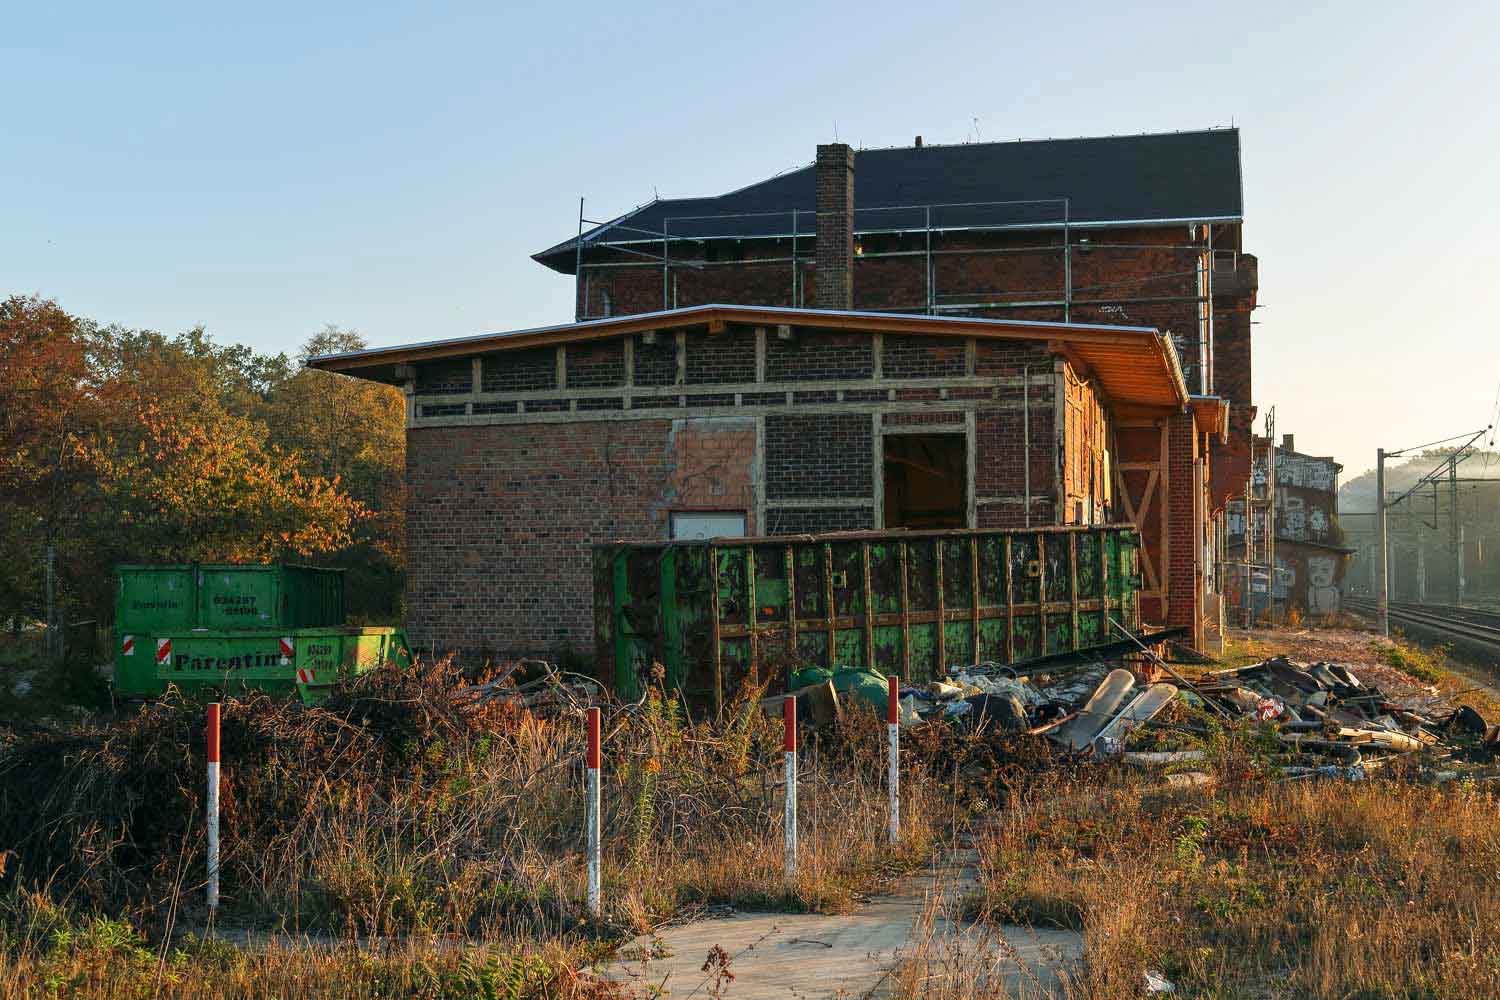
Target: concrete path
[[855, 955]]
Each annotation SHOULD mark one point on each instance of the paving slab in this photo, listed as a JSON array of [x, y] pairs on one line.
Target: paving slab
[[820, 957]]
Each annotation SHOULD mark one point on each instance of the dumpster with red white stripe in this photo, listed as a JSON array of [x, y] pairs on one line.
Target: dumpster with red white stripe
[[229, 627]]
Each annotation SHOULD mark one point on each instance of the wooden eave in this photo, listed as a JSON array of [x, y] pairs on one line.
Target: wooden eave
[[1211, 416], [1135, 365]]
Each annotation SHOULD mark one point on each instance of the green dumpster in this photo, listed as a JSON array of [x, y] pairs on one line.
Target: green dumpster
[[306, 662], [718, 612], [275, 628]]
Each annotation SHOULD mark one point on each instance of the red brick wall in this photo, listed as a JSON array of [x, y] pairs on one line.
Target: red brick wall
[[500, 520], [819, 456], [1001, 461], [502, 517], [1234, 302], [1182, 452], [713, 467], [835, 221]]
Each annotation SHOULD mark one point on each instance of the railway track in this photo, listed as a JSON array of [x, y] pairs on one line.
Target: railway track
[[1477, 630]]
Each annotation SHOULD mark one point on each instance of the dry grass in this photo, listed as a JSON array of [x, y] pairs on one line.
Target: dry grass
[[1255, 887], [1374, 890], [102, 958], [1378, 890], [401, 815], [399, 842]]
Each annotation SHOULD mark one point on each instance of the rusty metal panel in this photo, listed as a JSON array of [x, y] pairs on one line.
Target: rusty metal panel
[[718, 614]]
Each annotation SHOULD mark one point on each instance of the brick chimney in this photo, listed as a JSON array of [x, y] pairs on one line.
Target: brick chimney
[[835, 243], [1288, 443]]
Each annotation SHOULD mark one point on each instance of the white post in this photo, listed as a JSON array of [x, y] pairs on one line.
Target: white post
[[213, 807], [893, 732], [789, 723], [596, 902]]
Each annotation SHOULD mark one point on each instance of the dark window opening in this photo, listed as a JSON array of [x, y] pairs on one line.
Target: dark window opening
[[926, 481]]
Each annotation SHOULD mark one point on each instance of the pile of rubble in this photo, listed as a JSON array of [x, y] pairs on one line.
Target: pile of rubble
[[1329, 720], [1085, 711], [1333, 722]]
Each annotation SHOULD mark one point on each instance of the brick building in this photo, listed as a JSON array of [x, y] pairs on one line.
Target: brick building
[[985, 335], [1307, 545], [525, 448]]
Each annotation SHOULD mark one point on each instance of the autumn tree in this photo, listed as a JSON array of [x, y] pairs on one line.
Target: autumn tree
[[49, 406], [121, 445], [353, 431], [213, 491]]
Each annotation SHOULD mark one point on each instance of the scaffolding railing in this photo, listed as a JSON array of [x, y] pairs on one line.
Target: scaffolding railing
[[682, 243]]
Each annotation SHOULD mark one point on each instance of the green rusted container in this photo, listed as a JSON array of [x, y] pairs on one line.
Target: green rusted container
[[228, 595], [715, 613], [274, 628]]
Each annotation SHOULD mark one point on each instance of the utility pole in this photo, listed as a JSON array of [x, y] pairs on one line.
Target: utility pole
[[1462, 583], [1455, 547], [1421, 569], [1382, 593]]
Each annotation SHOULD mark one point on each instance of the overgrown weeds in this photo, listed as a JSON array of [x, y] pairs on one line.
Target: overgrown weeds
[[1426, 663], [406, 809], [49, 952], [1377, 889]]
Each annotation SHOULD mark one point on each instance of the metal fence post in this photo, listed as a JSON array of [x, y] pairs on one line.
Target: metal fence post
[[213, 807], [789, 723], [596, 903], [893, 734]]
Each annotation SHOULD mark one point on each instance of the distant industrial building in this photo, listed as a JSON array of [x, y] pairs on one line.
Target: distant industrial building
[[1297, 568]]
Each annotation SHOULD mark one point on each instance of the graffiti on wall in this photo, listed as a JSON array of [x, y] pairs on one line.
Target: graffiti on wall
[[1306, 471], [1322, 584], [1309, 564], [1293, 517]]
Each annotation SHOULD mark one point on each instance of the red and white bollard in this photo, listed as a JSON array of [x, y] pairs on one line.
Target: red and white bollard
[[213, 807], [596, 901], [789, 723], [893, 734]]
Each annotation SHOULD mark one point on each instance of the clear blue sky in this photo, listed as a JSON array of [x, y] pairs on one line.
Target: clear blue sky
[[391, 167]]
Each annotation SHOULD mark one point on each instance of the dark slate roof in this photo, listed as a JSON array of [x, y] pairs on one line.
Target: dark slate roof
[[1176, 176]]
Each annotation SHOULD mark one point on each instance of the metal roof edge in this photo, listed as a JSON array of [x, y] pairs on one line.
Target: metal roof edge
[[688, 313], [1022, 140], [1087, 338]]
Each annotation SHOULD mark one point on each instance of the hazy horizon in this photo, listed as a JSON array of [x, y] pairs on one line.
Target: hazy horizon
[[392, 170]]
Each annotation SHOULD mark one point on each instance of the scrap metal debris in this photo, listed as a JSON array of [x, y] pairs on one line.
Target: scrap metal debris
[[1328, 719], [1326, 710]]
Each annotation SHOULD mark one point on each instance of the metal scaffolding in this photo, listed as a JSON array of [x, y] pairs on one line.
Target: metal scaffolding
[[683, 242], [1256, 567]]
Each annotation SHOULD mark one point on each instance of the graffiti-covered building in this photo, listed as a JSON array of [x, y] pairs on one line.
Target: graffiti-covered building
[[1306, 547]]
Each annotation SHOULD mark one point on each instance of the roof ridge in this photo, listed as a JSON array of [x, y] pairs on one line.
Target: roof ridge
[[1065, 138]]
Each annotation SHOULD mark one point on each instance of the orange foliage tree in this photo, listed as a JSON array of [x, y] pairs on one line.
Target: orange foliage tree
[[124, 445], [49, 404], [214, 492]]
